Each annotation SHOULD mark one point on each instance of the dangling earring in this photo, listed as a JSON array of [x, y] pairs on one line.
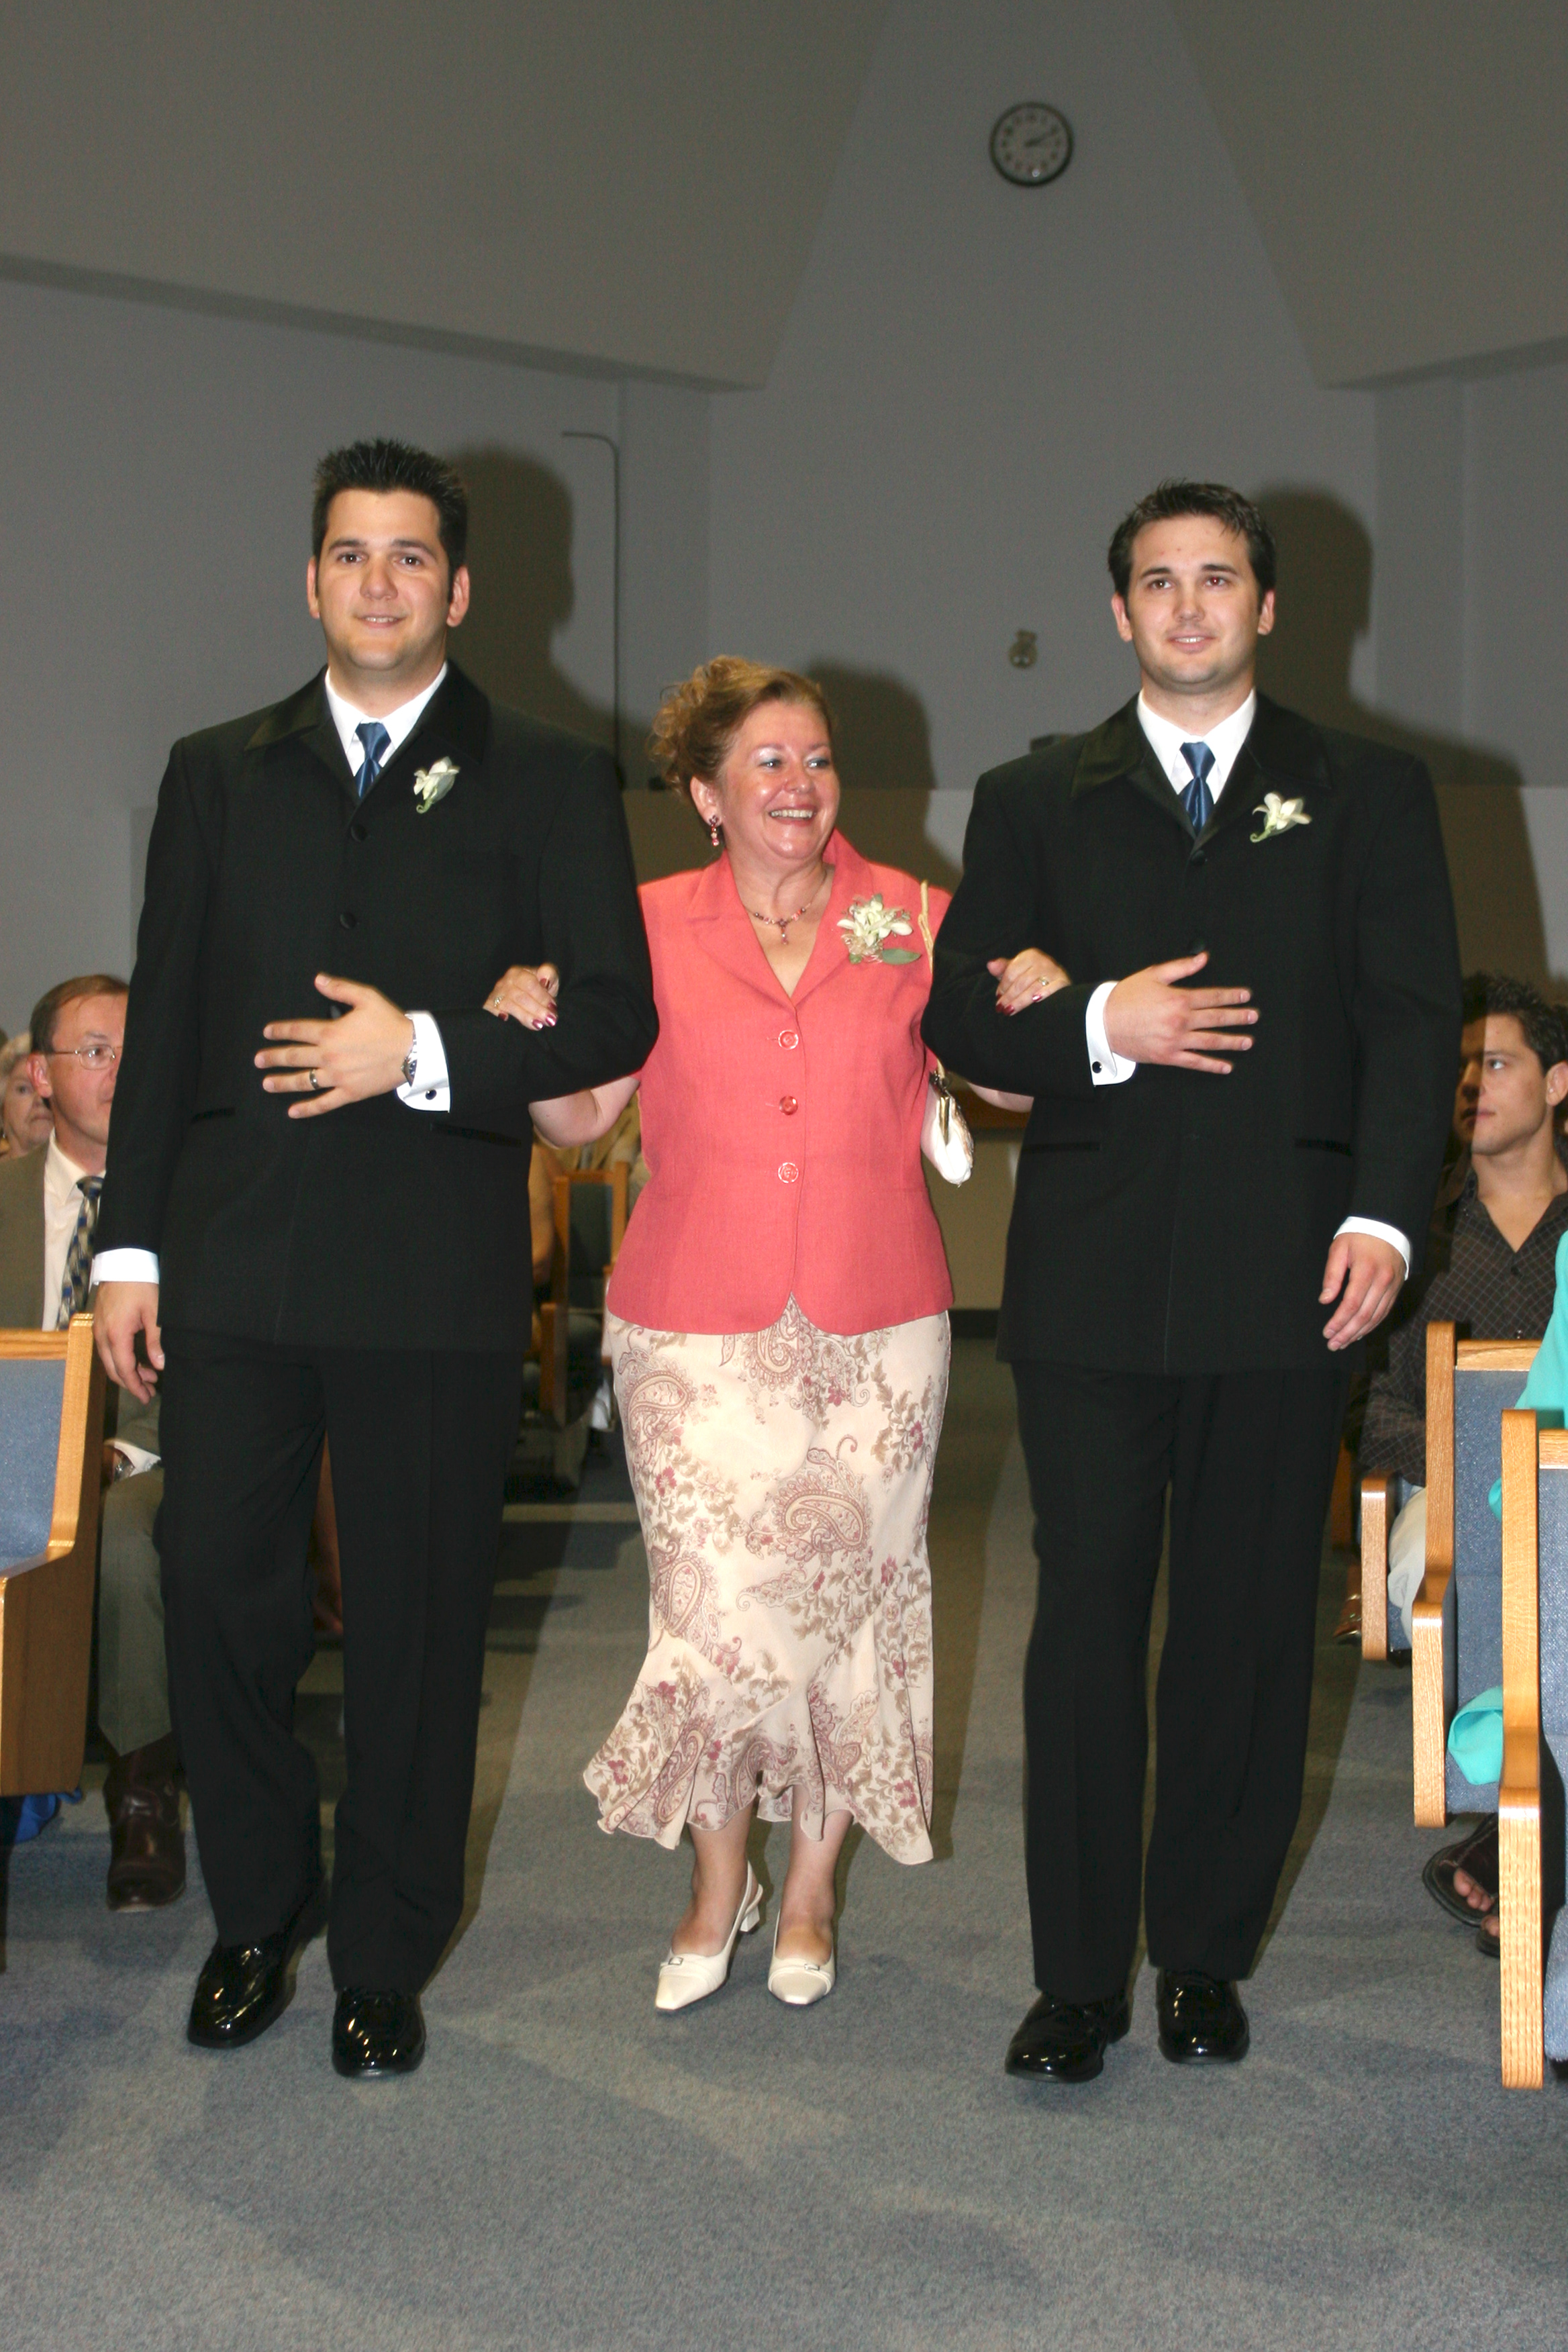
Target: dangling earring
[[714, 830]]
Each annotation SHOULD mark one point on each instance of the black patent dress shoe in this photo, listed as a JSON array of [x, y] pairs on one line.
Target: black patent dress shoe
[[1066, 2041], [377, 2034], [1201, 2018], [243, 1987]]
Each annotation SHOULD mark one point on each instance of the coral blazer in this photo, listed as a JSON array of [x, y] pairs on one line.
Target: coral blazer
[[784, 1135]]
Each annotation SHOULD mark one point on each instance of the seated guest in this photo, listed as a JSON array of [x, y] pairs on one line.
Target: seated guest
[[1490, 1270], [1439, 1239], [25, 1118], [49, 1208]]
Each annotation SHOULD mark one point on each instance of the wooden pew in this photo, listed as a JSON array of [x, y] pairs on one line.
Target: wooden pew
[[555, 1312], [1531, 1830], [51, 1454], [1456, 1621]]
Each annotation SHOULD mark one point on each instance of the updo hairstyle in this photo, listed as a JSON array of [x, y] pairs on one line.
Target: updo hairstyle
[[699, 721]]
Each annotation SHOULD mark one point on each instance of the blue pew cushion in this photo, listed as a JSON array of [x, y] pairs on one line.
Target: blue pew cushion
[[32, 1398]]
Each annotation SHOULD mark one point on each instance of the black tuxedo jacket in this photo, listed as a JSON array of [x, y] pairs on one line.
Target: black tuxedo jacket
[[1179, 1222], [376, 1226]]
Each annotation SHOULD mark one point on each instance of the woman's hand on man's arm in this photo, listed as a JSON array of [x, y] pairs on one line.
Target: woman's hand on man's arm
[[1026, 979], [528, 994]]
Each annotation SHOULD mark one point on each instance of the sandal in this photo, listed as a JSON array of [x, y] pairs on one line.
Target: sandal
[[1476, 1855]]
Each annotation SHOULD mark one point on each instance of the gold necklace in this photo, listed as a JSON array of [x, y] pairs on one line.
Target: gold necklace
[[782, 922]]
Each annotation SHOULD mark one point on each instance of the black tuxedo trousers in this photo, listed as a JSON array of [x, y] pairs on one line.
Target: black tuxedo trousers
[[1247, 1459], [420, 1441]]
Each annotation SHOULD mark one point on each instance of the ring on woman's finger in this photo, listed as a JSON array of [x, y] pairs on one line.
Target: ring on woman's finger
[[315, 1083]]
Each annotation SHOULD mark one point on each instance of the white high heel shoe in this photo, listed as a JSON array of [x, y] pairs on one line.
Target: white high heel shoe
[[686, 1976], [798, 1983]]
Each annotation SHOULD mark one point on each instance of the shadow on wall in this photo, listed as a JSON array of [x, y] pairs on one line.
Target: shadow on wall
[[520, 553], [882, 739], [1325, 604]]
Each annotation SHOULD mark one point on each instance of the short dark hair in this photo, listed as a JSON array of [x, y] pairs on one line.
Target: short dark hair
[[1174, 498], [50, 1006], [1473, 997], [1542, 1023], [395, 466]]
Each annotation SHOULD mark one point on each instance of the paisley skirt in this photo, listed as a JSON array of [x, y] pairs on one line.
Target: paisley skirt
[[783, 1479]]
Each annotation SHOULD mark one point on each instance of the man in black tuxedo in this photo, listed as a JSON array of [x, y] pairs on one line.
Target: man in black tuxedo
[[340, 1246], [1239, 1113]]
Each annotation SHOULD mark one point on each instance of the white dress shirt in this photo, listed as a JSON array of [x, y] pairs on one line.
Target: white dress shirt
[[1166, 740], [429, 1088], [62, 1208]]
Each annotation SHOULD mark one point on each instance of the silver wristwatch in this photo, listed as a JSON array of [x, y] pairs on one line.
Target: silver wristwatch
[[411, 1059]]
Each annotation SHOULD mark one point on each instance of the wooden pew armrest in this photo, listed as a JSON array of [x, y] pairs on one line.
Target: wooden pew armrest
[[1521, 1909], [1432, 1692], [1375, 1567]]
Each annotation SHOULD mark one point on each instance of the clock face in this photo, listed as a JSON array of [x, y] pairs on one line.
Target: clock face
[[1031, 144]]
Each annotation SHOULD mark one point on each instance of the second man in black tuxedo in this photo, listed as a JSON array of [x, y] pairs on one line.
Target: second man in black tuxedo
[[320, 1225], [1239, 1111]]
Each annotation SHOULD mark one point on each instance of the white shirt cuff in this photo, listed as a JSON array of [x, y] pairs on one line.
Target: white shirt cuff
[[1390, 1233], [429, 1089], [124, 1266], [138, 1457], [1105, 1068]]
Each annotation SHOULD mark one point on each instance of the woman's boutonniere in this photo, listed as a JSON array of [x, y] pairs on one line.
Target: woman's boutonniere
[[868, 924], [433, 785], [1279, 815]]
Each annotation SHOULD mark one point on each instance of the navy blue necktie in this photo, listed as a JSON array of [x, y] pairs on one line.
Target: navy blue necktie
[[375, 739], [1196, 797]]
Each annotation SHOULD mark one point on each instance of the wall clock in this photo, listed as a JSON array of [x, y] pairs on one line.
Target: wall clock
[[1031, 144]]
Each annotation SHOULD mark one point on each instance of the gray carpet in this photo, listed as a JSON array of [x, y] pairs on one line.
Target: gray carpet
[[570, 2171]]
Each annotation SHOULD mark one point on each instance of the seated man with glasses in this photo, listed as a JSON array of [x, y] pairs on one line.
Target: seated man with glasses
[[48, 1213]]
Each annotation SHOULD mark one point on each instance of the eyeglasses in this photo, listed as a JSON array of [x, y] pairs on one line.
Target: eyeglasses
[[96, 1057]]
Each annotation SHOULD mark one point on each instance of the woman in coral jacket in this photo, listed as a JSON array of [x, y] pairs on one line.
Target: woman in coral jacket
[[778, 1337]]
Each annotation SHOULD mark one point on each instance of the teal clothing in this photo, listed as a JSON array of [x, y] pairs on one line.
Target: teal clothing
[[1545, 1393], [1475, 1738]]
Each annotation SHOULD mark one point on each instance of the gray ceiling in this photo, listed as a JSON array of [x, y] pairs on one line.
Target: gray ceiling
[[1406, 161], [622, 184]]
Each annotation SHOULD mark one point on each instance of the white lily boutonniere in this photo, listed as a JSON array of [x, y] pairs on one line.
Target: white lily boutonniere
[[1279, 815], [433, 785], [868, 924]]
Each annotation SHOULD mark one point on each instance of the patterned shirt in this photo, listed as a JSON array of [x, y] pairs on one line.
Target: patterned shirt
[[1490, 1291]]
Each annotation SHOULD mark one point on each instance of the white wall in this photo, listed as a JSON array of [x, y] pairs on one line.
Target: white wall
[[1516, 616], [1472, 642], [977, 380], [155, 518]]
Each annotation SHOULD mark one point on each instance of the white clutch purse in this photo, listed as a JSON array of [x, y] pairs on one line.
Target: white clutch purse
[[944, 1134], [945, 1138]]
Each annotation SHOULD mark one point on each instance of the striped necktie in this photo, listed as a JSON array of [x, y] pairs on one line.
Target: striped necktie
[[1196, 797], [375, 739], [79, 1255]]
